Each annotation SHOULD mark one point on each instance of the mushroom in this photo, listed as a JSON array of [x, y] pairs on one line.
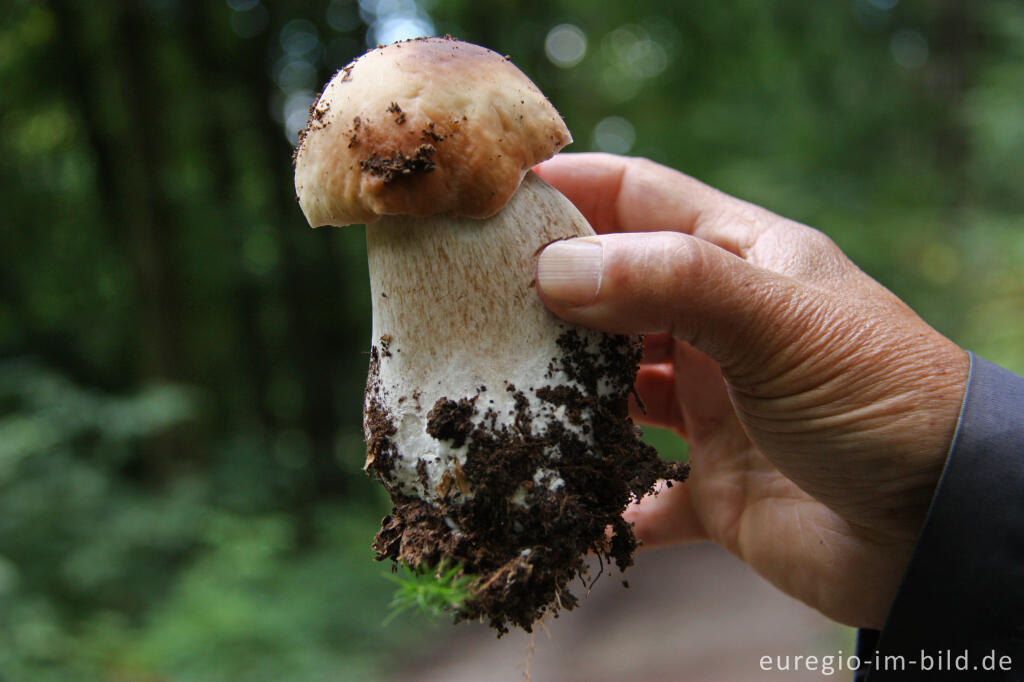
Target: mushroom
[[500, 431]]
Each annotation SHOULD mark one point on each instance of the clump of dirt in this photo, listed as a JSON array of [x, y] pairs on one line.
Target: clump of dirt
[[450, 420], [397, 111], [399, 165], [526, 537], [429, 133]]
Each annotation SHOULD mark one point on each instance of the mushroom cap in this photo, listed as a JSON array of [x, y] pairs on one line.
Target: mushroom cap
[[423, 127]]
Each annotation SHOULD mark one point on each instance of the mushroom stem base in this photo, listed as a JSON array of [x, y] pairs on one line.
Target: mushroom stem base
[[527, 543]]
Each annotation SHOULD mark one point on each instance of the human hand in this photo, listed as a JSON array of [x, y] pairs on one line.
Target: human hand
[[818, 407]]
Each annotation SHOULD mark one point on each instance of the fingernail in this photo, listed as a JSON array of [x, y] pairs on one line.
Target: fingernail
[[570, 272]]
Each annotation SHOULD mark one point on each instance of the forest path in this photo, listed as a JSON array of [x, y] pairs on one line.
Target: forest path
[[692, 613]]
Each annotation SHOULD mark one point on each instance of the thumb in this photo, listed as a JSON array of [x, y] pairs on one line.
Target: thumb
[[736, 312]]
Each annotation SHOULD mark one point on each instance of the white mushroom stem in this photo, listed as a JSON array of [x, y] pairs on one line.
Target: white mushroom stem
[[456, 316]]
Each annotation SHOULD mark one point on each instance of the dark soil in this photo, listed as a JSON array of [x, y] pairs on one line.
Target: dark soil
[[397, 111], [525, 556], [378, 426], [398, 165]]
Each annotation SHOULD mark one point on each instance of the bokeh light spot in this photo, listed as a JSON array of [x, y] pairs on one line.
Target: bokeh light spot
[[298, 37], [394, 29], [909, 49], [614, 135], [566, 45], [296, 112]]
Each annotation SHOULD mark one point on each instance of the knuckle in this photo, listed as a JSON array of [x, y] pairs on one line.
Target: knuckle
[[798, 251], [681, 251], [689, 262], [654, 268], [664, 262], [818, 241], [643, 163]]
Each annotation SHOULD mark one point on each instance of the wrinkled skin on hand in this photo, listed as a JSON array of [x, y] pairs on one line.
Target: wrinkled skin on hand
[[819, 408]]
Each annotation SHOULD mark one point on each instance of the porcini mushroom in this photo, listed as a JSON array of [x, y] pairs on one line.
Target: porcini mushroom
[[499, 430]]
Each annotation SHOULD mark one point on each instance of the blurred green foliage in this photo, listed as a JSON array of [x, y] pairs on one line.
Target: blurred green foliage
[[182, 359], [103, 578]]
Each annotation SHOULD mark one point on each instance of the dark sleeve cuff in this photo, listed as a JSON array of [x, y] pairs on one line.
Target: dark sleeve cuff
[[961, 602]]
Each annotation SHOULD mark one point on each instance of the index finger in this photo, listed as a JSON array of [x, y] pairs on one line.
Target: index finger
[[629, 194]]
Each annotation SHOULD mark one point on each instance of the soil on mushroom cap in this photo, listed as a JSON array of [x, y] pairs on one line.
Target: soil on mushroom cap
[[398, 165], [526, 551]]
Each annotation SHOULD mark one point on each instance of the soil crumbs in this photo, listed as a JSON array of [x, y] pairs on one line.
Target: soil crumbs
[[525, 552]]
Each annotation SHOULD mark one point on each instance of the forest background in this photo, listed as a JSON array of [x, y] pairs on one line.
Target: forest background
[[182, 359]]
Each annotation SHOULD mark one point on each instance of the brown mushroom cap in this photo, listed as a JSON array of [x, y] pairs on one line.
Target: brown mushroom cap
[[423, 127]]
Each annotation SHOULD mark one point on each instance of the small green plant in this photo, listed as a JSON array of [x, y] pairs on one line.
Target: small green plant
[[434, 590]]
